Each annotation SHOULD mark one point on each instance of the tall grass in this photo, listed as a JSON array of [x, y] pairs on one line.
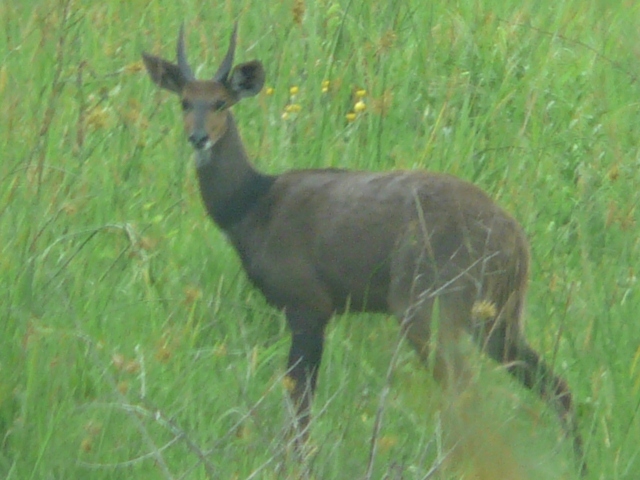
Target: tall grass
[[132, 346]]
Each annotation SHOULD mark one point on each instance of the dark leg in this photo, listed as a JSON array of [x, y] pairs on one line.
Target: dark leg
[[305, 355], [525, 364]]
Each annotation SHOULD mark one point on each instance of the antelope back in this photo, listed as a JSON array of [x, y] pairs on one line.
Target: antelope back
[[205, 102]]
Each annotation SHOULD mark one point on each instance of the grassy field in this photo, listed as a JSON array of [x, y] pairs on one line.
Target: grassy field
[[132, 345]]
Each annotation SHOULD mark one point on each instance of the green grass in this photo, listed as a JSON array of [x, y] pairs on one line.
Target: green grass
[[131, 344]]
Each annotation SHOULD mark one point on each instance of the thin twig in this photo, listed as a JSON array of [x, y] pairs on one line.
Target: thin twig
[[154, 451], [614, 63]]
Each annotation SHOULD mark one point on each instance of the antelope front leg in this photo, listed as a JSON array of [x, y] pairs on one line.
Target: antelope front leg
[[305, 355]]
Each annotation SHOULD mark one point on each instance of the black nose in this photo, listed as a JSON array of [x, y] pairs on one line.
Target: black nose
[[198, 140]]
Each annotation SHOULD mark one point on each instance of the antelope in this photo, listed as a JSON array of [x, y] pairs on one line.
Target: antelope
[[319, 242]]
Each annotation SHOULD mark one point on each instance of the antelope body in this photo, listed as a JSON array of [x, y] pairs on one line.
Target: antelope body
[[318, 242]]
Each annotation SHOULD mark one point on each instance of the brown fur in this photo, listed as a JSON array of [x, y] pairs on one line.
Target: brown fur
[[317, 242]]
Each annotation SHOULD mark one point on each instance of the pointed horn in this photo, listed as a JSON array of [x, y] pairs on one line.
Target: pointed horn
[[225, 67], [183, 64]]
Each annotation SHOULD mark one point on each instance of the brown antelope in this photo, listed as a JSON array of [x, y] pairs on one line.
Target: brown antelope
[[318, 242]]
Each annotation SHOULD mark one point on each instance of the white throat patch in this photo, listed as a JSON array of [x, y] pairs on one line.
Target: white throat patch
[[203, 156]]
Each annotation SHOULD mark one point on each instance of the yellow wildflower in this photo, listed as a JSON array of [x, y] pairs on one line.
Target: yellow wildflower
[[293, 108], [484, 310], [289, 383], [359, 107]]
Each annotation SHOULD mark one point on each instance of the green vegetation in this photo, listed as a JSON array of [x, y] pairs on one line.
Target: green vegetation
[[131, 344]]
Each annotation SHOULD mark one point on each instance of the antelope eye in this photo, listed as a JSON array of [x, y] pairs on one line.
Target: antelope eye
[[219, 105], [185, 104]]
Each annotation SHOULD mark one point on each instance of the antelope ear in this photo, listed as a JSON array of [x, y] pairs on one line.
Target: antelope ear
[[246, 79], [165, 74]]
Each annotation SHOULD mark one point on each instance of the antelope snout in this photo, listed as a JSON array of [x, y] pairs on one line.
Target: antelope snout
[[200, 140]]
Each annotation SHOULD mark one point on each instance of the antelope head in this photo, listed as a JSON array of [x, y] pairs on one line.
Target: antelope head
[[205, 102]]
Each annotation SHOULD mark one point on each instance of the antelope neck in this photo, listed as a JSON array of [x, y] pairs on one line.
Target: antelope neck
[[230, 186]]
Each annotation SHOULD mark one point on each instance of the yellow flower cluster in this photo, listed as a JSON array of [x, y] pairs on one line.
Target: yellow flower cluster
[[293, 107], [483, 310], [359, 107]]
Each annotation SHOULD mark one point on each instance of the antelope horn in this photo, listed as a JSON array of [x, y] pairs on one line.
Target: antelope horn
[[225, 67], [183, 64]]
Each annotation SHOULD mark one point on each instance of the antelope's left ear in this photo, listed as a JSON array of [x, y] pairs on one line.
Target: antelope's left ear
[[247, 79]]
